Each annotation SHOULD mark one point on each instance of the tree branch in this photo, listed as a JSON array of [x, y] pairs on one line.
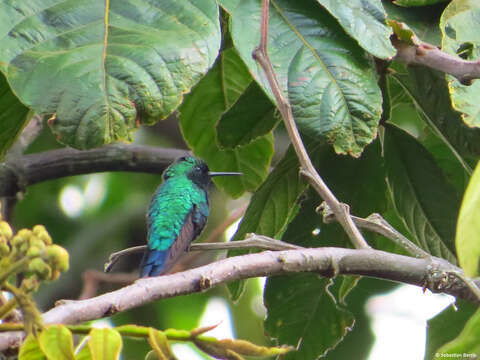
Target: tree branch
[[425, 54], [16, 174], [433, 273], [307, 169]]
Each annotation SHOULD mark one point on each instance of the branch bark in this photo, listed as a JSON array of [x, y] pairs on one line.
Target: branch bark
[[432, 273], [16, 174], [429, 55]]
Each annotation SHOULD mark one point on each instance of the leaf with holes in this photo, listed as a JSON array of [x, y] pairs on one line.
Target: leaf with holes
[[104, 67], [459, 23], [301, 312]]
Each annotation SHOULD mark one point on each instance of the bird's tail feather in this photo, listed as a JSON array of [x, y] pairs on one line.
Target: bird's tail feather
[[153, 262]]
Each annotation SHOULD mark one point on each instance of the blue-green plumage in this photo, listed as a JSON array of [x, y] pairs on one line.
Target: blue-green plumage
[[177, 214]]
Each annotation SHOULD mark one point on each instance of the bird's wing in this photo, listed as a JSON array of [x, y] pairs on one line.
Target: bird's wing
[[174, 219], [192, 227]]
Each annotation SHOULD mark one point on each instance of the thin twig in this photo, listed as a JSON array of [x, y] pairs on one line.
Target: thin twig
[[307, 169], [377, 224], [252, 241]]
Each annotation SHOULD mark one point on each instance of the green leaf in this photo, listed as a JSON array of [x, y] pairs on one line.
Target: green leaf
[[428, 91], [251, 116], [467, 342], [13, 117], [447, 325], [302, 313], [423, 21], [105, 67], [322, 109], [159, 343], [426, 202], [105, 344], [30, 349], [271, 207], [330, 69], [411, 3], [468, 228], [199, 115], [363, 20], [458, 24], [229, 5], [56, 343]]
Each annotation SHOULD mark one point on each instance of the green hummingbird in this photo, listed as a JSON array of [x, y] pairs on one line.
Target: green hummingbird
[[177, 213]]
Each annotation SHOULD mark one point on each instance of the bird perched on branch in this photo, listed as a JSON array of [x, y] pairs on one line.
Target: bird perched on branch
[[177, 213]]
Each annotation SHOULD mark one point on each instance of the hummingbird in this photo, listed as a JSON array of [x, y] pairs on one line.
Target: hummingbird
[[177, 213]]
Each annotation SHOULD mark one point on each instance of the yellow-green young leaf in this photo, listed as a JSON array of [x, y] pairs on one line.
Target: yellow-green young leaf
[[159, 342], [403, 32], [82, 351], [467, 239], [467, 342], [56, 343], [30, 349], [105, 344]]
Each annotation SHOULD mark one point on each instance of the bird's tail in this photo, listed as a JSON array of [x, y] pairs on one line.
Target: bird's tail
[[153, 262]]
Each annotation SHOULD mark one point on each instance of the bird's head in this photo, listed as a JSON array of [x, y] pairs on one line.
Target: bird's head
[[194, 169]]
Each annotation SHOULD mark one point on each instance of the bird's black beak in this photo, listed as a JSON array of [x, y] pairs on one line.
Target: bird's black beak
[[214, 173]]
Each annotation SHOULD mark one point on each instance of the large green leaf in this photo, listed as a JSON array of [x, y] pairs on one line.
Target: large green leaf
[[467, 240], [329, 69], [199, 115], [459, 25], [467, 341], [426, 202], [56, 343], [302, 313], [409, 3], [251, 116], [428, 91], [364, 20], [105, 66], [13, 117], [447, 325], [105, 344]]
